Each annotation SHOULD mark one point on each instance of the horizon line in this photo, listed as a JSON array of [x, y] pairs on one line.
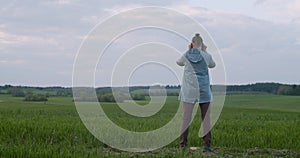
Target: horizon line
[[162, 85]]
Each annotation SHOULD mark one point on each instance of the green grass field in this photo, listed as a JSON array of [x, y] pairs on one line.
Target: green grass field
[[250, 125]]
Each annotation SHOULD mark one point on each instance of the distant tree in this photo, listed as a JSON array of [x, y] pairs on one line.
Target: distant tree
[[108, 97], [63, 93], [289, 90], [35, 97], [120, 97], [103, 90], [16, 92], [8, 86], [156, 92], [283, 90], [47, 94], [138, 96], [297, 90]]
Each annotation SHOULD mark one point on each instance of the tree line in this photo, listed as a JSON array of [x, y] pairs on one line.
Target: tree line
[[105, 94], [272, 88]]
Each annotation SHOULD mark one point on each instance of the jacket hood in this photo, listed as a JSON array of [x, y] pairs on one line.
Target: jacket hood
[[194, 55]]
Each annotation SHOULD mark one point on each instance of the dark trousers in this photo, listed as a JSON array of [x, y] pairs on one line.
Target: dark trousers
[[186, 120]]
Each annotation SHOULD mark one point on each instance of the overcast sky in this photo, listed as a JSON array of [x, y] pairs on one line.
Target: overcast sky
[[259, 40]]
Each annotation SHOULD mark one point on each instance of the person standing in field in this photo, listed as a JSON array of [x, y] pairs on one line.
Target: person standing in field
[[196, 88]]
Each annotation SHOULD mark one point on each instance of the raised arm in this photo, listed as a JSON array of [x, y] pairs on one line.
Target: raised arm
[[181, 61], [209, 60]]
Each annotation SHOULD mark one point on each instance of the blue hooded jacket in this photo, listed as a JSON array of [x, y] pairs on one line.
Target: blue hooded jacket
[[195, 82]]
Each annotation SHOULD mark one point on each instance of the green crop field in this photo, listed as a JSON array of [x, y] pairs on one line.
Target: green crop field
[[251, 125]]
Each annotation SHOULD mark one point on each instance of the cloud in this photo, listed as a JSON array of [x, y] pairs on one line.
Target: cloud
[[15, 62], [14, 39], [64, 2], [241, 31], [251, 47], [259, 2], [120, 8], [245, 40], [293, 9], [93, 19], [45, 36], [282, 10]]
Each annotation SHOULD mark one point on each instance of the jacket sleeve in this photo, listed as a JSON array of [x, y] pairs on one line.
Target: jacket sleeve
[[181, 61], [211, 63], [209, 60]]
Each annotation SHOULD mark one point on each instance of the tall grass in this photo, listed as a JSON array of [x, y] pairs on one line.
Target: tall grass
[[54, 129]]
